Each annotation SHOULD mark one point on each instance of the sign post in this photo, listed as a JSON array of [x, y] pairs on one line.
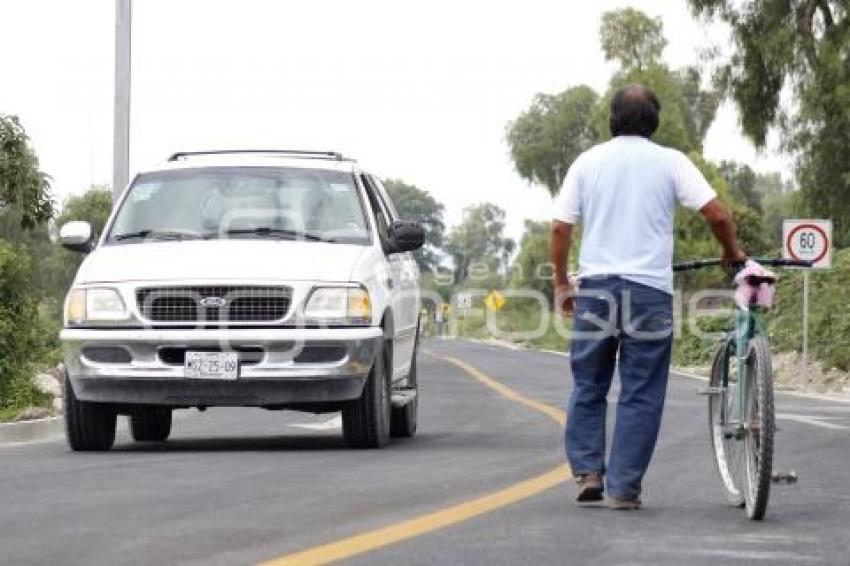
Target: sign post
[[495, 301], [810, 240]]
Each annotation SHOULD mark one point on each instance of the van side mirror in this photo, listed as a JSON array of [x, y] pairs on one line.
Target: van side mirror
[[405, 236], [77, 236]]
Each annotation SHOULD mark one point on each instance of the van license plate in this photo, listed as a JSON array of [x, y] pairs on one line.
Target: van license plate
[[212, 365]]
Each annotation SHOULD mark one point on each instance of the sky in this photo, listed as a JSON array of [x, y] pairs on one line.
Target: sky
[[418, 91]]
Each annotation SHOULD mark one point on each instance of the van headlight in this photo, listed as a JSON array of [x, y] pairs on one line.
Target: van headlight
[[339, 305], [96, 305]]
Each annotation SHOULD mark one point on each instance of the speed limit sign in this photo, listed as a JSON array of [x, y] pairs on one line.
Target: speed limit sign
[[808, 239]]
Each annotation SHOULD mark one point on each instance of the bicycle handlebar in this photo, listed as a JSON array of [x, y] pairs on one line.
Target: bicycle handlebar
[[777, 262]]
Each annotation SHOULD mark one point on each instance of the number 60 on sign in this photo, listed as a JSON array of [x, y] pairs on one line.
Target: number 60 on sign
[[808, 239]]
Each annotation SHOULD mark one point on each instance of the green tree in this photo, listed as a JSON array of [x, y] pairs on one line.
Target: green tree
[[414, 203], [797, 47], [632, 38], [60, 265], [530, 268], [545, 139], [767, 194], [93, 206], [675, 125], [777, 207], [692, 234], [742, 183], [687, 109], [769, 183], [22, 185], [698, 105], [479, 238]]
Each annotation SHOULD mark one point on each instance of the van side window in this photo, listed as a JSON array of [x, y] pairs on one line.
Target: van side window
[[385, 198], [381, 216]]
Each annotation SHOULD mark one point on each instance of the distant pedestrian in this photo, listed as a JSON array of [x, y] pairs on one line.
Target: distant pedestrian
[[624, 192]]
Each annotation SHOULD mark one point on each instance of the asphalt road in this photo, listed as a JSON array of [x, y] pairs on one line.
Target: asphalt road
[[244, 486]]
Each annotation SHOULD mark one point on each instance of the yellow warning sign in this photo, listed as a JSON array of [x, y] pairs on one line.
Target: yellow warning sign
[[495, 301]]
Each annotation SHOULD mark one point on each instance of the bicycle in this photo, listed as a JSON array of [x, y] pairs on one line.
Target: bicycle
[[740, 401]]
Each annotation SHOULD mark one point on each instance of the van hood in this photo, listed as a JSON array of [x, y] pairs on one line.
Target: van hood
[[220, 259]]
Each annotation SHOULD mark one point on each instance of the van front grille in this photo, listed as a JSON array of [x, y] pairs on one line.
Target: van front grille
[[214, 304]]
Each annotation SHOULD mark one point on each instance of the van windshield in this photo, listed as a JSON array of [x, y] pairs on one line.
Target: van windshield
[[242, 202]]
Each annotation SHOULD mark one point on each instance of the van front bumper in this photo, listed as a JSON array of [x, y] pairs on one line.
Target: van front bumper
[[278, 367]]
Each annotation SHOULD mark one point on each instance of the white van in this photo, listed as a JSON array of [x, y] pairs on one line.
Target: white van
[[273, 279]]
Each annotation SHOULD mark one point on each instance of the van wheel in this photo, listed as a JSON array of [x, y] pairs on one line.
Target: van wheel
[[404, 419], [88, 426], [366, 421], [151, 424]]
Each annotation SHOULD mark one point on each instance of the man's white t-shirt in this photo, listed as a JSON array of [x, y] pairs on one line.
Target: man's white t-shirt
[[624, 193]]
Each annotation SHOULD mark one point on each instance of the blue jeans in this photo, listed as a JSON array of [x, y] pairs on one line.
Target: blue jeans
[[612, 316]]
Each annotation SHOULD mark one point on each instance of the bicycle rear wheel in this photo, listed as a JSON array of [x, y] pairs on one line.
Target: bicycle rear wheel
[[759, 428], [722, 414]]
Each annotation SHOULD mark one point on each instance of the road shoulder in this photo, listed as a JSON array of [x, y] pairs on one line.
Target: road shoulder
[[31, 431]]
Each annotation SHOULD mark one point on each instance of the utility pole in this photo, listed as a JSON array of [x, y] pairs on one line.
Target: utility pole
[[121, 124]]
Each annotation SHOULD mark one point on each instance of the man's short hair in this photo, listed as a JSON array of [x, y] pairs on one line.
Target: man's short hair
[[634, 112]]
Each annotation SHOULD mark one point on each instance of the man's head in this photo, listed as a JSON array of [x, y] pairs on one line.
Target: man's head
[[634, 112]]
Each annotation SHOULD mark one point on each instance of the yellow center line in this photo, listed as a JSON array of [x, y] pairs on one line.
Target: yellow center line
[[385, 536], [556, 414]]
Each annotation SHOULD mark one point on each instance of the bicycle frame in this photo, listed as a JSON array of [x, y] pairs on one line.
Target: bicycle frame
[[747, 325]]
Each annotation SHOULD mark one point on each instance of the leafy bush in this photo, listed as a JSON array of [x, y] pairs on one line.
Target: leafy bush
[[829, 313], [692, 350], [21, 327]]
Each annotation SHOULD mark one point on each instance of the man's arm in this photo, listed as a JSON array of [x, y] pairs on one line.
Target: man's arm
[[724, 229], [559, 255]]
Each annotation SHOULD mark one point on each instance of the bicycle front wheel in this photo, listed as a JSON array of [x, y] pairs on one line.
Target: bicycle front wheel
[[759, 428], [723, 410]]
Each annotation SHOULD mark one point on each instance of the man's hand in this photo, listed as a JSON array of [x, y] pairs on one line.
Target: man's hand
[[730, 260], [565, 301]]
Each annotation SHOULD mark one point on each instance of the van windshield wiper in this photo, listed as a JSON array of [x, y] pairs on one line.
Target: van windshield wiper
[[157, 234], [266, 231]]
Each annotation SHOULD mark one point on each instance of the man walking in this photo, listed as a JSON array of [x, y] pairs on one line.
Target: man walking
[[624, 192]]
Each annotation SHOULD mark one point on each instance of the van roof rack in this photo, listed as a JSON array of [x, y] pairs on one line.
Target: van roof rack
[[304, 154]]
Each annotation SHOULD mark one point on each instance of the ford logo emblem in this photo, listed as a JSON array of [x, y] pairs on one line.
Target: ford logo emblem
[[213, 302]]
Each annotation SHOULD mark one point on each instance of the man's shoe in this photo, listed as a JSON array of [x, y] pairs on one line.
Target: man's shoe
[[624, 503], [590, 488]]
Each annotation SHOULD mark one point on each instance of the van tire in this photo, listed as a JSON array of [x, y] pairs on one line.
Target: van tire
[[366, 420], [151, 424], [89, 427]]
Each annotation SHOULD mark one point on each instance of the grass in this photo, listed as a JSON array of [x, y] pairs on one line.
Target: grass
[[17, 390], [20, 392], [692, 350], [515, 320], [523, 324], [8, 413], [688, 349]]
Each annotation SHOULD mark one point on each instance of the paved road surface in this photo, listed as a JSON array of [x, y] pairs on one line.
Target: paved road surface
[[244, 486]]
